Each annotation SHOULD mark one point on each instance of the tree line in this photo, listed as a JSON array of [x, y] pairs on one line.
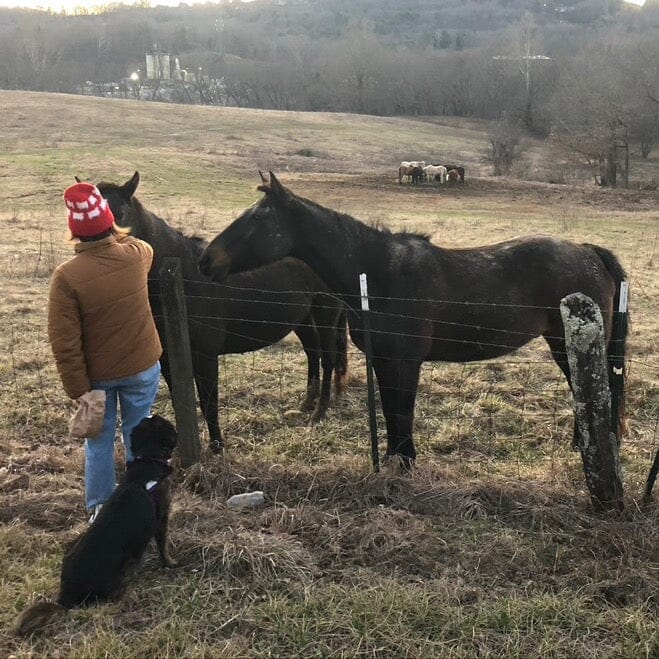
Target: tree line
[[585, 72]]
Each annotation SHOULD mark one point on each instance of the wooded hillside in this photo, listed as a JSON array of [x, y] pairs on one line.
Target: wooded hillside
[[585, 72]]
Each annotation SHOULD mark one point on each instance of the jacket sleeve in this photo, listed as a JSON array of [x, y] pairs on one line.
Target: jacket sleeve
[[147, 254], [65, 336], [144, 249]]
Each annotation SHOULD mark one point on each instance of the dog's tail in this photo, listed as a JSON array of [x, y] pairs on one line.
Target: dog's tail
[[40, 615]]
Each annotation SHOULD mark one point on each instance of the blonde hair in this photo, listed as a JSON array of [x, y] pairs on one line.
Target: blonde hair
[[115, 229]]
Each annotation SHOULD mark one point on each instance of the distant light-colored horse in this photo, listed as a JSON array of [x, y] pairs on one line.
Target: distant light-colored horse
[[435, 173], [406, 168]]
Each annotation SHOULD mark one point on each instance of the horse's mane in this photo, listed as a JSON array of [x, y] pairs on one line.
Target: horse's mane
[[107, 184], [197, 242], [404, 234]]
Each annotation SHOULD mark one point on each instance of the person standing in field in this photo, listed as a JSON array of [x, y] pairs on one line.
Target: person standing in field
[[102, 332]]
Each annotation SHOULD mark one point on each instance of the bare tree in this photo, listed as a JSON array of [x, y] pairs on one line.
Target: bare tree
[[595, 105], [645, 124], [645, 128], [504, 145]]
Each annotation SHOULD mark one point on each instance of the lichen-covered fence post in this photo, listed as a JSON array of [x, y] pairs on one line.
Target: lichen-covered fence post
[[586, 353], [180, 360]]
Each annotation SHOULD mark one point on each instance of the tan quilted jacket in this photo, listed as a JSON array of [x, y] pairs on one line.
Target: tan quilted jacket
[[99, 318]]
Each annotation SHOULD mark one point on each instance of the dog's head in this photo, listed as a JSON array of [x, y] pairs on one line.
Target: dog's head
[[153, 437]]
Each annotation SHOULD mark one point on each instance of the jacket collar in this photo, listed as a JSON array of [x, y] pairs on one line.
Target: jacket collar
[[94, 244]]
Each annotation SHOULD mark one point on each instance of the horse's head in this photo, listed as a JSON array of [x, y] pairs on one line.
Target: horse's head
[[119, 198], [259, 236]]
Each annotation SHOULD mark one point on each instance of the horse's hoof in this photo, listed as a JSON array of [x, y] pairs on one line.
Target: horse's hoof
[[216, 447], [317, 416], [404, 463]]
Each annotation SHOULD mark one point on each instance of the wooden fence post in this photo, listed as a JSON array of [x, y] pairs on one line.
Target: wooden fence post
[[177, 338], [586, 353]]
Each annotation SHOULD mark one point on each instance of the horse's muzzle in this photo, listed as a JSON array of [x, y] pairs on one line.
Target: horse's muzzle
[[214, 266]]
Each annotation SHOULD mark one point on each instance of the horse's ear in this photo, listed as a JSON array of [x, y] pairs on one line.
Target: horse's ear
[[276, 188], [78, 179], [129, 187], [265, 185]]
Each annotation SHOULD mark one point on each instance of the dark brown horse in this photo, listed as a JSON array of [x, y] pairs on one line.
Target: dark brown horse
[[458, 168], [427, 303], [249, 311]]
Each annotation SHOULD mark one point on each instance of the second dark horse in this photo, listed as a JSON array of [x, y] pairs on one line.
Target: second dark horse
[[427, 303], [247, 312]]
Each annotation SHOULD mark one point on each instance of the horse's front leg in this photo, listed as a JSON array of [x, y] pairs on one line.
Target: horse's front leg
[[558, 351], [308, 334], [206, 377], [327, 321], [398, 380], [165, 370]]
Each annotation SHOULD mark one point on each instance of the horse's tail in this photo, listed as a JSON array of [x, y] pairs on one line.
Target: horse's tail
[[38, 616], [341, 358], [615, 349], [652, 477]]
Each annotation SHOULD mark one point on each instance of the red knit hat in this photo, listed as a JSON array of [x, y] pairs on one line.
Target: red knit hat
[[89, 213]]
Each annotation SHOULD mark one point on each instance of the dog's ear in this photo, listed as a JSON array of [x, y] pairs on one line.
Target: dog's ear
[[153, 437], [169, 436], [166, 430], [145, 437]]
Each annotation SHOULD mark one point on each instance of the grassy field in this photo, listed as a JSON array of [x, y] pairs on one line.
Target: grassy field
[[490, 548]]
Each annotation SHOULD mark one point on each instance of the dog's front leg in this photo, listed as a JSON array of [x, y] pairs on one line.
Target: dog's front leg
[[161, 536], [163, 548]]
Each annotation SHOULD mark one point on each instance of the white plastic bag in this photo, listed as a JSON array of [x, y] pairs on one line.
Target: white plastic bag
[[246, 500]]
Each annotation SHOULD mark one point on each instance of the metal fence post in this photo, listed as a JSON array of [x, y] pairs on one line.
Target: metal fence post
[[373, 424], [617, 361]]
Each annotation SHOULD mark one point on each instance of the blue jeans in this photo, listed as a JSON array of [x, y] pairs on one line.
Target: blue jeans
[[136, 394]]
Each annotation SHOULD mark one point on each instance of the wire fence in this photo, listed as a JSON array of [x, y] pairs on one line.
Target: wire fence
[[473, 412]]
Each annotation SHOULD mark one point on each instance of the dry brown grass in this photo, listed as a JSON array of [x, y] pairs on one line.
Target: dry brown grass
[[490, 548]]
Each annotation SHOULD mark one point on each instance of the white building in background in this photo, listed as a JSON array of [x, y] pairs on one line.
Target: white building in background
[[158, 66]]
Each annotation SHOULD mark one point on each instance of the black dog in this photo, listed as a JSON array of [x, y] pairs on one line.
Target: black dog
[[95, 567]]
